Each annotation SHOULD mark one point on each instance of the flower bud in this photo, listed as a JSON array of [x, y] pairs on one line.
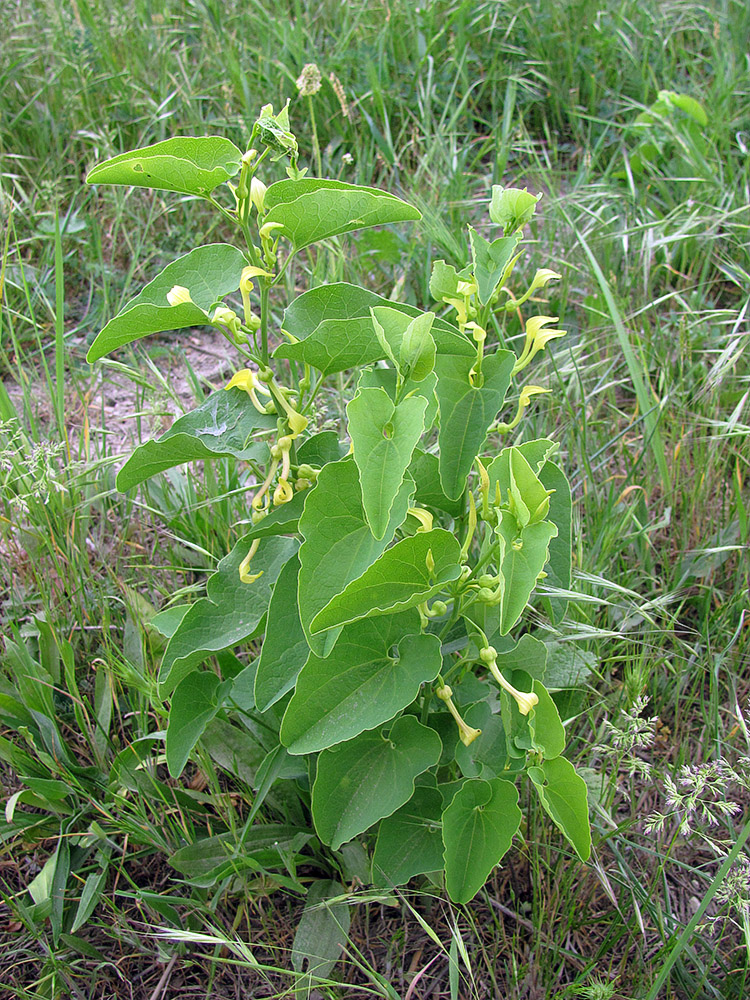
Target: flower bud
[[258, 195], [178, 295]]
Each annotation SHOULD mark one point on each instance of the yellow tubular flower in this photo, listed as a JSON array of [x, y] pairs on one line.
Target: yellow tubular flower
[[423, 516], [525, 700], [247, 379], [536, 338], [246, 286], [466, 733], [283, 493], [523, 402], [246, 577]]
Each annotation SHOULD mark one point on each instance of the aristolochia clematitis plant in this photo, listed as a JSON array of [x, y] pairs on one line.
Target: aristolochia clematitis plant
[[382, 577]]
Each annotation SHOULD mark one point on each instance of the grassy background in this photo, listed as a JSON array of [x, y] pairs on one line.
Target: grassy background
[[650, 404]]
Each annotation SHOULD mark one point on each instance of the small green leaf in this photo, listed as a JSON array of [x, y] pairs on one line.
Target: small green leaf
[[526, 552], [369, 777], [338, 545], [322, 931], [194, 704], [564, 795], [225, 424], [189, 164], [410, 842], [387, 378], [466, 411], [311, 210], [361, 684], [401, 578], [444, 280], [384, 437], [285, 648], [546, 726], [536, 454], [320, 449], [478, 828], [231, 612], [490, 262], [166, 622], [209, 273], [568, 666], [406, 341], [334, 329], [417, 354]]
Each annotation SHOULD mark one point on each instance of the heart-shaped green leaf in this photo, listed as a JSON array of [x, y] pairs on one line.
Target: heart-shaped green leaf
[[311, 210], [478, 828], [334, 329], [209, 273], [225, 424], [526, 552], [361, 684], [194, 704], [384, 437], [407, 341], [412, 571], [490, 262], [466, 411], [545, 723], [410, 842], [189, 164], [369, 777], [564, 795], [231, 612], [285, 648], [338, 545]]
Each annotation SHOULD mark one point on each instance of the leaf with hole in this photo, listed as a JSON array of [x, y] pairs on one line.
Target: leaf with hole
[[187, 164], [225, 425], [310, 210], [467, 410], [322, 931], [410, 842]]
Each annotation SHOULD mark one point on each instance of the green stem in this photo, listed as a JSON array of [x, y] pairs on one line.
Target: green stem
[[264, 323], [316, 144]]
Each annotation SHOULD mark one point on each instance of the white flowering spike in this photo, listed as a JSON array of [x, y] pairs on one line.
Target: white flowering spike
[[309, 81]]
